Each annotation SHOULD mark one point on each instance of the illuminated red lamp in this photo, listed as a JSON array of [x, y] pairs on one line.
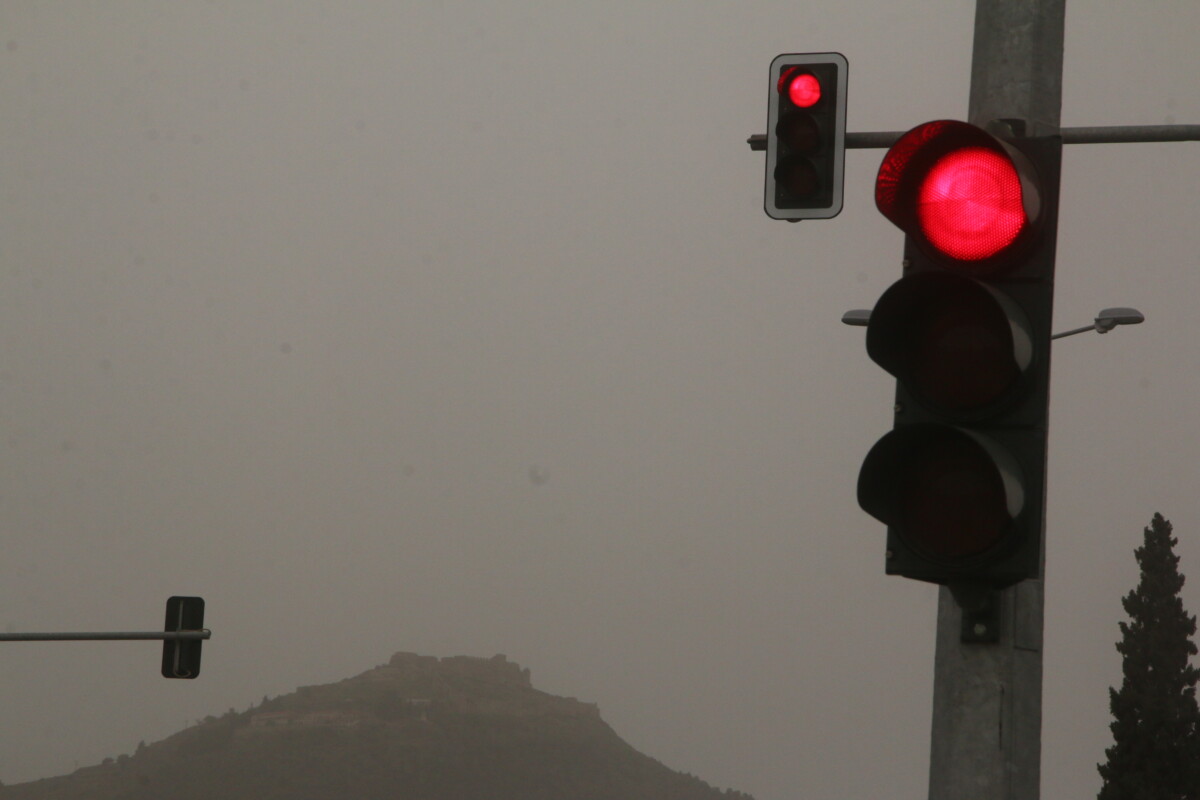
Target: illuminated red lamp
[[804, 90], [969, 204], [968, 198]]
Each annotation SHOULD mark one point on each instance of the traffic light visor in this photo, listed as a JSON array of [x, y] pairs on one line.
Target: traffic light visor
[[803, 88], [949, 494], [959, 347]]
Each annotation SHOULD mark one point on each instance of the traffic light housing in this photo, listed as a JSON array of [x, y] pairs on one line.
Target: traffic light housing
[[181, 657], [806, 136], [960, 480]]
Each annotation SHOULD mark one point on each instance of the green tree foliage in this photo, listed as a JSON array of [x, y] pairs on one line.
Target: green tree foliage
[[1156, 725]]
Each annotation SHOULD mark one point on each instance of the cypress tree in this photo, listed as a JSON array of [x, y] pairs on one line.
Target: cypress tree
[[1156, 725]]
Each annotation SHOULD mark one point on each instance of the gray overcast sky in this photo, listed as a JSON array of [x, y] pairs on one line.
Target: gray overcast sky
[[459, 328]]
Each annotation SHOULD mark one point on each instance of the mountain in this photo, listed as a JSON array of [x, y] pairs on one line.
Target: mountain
[[415, 728]]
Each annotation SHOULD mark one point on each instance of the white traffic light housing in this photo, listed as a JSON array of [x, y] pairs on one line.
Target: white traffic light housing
[[806, 136]]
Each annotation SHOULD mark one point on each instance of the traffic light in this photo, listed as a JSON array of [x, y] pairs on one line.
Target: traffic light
[[960, 480], [181, 657], [806, 136]]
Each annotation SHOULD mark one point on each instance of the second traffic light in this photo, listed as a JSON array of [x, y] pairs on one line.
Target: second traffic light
[[181, 657], [960, 480], [806, 136]]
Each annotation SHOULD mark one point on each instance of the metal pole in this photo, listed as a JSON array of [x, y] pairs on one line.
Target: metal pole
[[104, 636], [987, 698], [1074, 331], [1087, 134], [1111, 134]]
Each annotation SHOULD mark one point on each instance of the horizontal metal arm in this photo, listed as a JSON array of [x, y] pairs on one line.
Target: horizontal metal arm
[[1095, 134], [1109, 318], [1111, 134], [1074, 331], [103, 636]]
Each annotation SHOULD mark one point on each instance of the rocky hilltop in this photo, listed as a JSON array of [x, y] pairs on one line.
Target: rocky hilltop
[[415, 728]]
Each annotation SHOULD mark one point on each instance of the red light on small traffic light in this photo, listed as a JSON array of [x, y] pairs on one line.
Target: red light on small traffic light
[[970, 204], [804, 90]]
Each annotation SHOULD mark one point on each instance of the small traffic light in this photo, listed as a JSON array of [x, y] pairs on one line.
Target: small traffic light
[[181, 657], [960, 480], [806, 136]]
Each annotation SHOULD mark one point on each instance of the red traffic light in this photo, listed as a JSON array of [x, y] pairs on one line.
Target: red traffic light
[[960, 480], [803, 88], [967, 197], [806, 136], [969, 204]]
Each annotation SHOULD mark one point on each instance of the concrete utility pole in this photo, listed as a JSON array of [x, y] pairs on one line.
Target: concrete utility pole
[[987, 698]]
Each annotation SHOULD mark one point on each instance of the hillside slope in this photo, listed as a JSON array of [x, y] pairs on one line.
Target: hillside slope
[[416, 728]]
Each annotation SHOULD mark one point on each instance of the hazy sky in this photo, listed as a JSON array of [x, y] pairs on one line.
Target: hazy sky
[[459, 328]]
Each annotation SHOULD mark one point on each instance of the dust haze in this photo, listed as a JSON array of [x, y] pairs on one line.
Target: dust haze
[[454, 328]]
